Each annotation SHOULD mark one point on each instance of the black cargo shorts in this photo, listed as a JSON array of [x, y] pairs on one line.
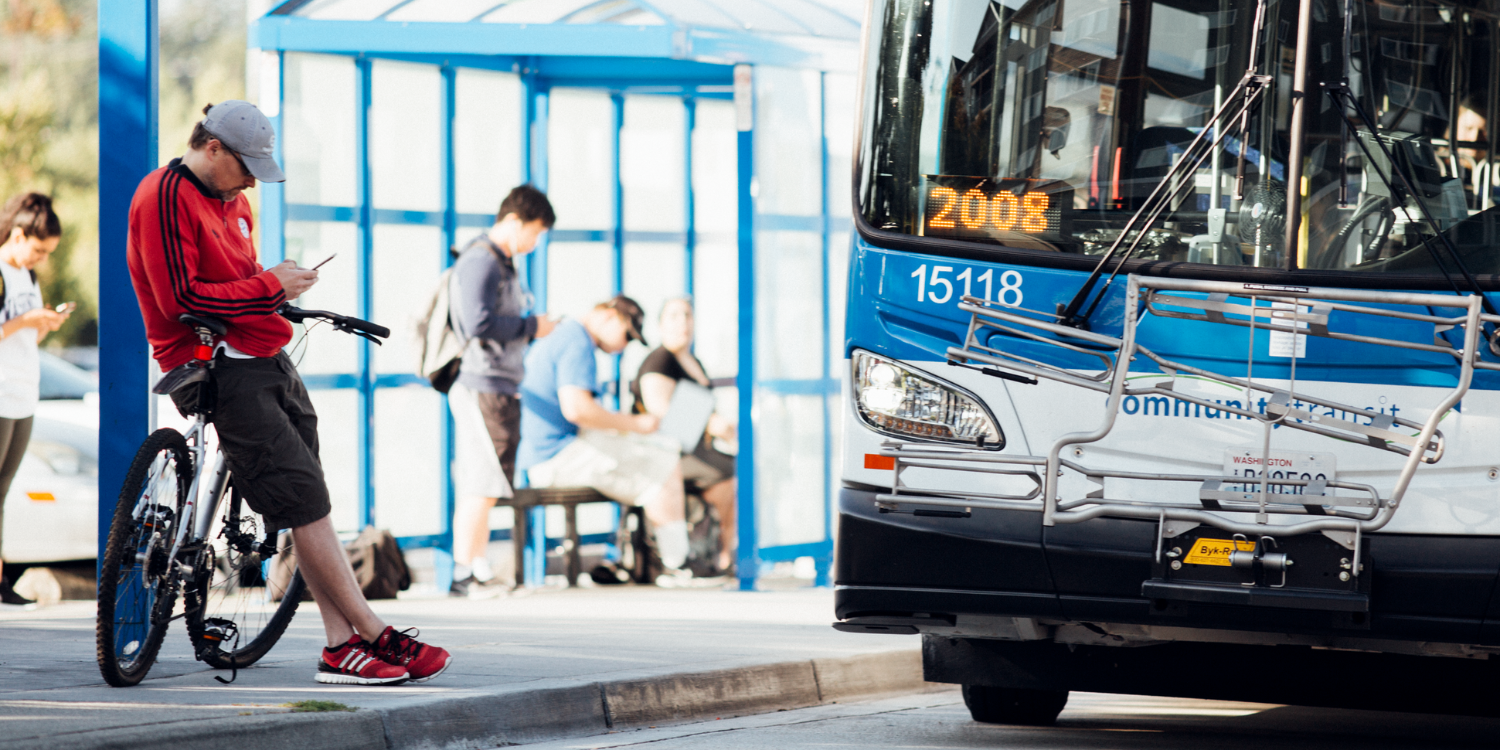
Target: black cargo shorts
[[269, 433]]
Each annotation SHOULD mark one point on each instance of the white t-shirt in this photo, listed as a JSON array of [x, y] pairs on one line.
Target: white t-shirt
[[20, 365]]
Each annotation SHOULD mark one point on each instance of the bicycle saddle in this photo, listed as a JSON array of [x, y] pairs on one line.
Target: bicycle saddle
[[214, 325]]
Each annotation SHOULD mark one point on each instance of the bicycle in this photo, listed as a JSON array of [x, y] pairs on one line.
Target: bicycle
[[167, 538]]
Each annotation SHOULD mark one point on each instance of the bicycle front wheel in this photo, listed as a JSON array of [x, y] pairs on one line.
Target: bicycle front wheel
[[244, 591], [137, 581]]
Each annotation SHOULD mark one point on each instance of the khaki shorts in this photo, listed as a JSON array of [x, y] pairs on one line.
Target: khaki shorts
[[478, 466], [624, 467]]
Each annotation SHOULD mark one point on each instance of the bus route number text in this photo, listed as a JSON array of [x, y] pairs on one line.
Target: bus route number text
[[1002, 210]]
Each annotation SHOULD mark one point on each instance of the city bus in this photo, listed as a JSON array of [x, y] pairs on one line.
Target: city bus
[[1171, 357]]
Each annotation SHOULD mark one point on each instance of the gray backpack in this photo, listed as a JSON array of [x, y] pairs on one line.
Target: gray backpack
[[437, 347]]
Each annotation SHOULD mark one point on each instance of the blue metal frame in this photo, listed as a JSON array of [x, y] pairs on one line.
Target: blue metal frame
[[689, 211], [128, 131], [686, 62], [363, 263], [443, 551], [272, 226], [748, 563]]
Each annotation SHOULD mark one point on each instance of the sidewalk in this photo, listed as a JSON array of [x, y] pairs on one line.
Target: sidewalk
[[551, 664]]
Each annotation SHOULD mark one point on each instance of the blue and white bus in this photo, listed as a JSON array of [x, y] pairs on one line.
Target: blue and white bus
[[1172, 350]]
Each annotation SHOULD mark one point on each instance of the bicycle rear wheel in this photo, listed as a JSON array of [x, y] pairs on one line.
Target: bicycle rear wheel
[[137, 582], [239, 601]]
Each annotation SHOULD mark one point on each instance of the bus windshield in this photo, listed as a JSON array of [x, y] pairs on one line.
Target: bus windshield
[[1046, 124]]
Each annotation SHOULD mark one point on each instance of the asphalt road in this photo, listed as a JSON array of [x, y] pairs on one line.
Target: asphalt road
[[939, 721]]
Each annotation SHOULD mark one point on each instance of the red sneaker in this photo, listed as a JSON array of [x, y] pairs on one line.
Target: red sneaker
[[355, 663], [400, 647]]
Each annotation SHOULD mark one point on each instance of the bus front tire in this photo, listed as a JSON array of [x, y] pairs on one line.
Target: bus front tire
[[997, 705]]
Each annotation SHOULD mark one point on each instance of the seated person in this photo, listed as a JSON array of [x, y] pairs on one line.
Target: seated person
[[568, 439], [708, 471]]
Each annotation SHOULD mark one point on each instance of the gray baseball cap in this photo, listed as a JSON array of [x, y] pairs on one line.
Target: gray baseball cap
[[241, 127]]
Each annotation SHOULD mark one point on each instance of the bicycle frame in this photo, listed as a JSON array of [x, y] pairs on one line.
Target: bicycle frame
[[202, 500]]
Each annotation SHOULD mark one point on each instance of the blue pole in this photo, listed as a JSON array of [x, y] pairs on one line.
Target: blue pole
[[536, 173], [824, 561], [748, 563], [689, 223], [443, 554], [363, 268], [617, 221], [537, 101], [272, 226], [127, 153]]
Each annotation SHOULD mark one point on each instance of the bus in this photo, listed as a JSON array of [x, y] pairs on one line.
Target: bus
[[1172, 352]]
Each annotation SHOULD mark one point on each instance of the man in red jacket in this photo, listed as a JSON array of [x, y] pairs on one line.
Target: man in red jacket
[[190, 251]]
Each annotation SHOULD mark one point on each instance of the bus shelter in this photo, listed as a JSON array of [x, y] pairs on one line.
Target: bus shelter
[[690, 147]]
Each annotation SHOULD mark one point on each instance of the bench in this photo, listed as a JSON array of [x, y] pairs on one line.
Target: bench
[[569, 498]]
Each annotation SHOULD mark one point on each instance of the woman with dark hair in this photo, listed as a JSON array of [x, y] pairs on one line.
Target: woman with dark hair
[[30, 232]]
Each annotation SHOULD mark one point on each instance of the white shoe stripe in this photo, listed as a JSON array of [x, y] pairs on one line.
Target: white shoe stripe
[[359, 664], [347, 657]]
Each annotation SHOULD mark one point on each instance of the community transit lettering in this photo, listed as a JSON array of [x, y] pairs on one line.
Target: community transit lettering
[[1165, 406]]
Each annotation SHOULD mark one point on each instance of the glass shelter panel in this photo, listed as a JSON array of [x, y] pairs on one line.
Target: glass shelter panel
[[579, 157], [409, 458], [578, 276], [788, 143], [789, 305], [308, 242], [789, 469], [651, 170], [715, 171], [406, 109], [338, 451], [716, 270], [489, 114], [1049, 125], [408, 260], [318, 129]]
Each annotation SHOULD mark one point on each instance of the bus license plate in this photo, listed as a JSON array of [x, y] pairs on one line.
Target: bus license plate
[[1307, 467]]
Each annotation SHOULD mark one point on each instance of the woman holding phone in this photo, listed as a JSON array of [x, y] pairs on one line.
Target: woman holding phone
[[30, 231]]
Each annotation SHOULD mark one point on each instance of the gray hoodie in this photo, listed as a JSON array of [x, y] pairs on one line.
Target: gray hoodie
[[488, 305]]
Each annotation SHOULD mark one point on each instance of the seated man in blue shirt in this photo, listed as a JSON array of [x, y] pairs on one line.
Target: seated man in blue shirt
[[568, 439]]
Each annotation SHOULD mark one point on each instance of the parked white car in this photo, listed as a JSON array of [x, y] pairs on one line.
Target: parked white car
[[52, 511]]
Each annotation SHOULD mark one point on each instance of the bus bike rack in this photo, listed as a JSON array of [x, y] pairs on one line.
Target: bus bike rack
[[1300, 311]]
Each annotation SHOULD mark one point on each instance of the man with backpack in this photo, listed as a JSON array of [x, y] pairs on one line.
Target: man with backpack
[[487, 309]]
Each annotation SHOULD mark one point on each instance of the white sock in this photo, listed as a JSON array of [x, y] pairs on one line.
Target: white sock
[[481, 566], [672, 544], [461, 571]]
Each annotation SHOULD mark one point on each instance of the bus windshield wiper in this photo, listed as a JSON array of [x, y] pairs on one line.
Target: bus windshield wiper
[[1246, 94]]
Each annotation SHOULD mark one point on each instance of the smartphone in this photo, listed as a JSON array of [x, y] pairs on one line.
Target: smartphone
[[321, 262], [67, 307]]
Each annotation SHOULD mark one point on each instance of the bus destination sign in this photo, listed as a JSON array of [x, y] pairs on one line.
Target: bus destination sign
[[981, 208]]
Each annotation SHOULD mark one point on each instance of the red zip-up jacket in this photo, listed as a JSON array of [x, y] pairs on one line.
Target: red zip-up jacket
[[190, 252]]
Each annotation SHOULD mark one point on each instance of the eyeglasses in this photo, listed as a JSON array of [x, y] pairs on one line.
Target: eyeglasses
[[244, 170]]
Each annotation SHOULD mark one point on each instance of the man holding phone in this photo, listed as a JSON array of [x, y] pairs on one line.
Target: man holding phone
[[190, 251], [488, 310]]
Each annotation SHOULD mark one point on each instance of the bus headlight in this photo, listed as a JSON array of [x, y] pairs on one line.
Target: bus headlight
[[899, 402]]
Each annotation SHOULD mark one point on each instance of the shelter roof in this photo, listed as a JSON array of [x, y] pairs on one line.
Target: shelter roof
[[839, 19]]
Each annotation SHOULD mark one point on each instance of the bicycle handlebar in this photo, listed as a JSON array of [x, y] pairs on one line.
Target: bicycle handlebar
[[340, 322]]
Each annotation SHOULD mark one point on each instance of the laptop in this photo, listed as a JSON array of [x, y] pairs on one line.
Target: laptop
[[687, 415]]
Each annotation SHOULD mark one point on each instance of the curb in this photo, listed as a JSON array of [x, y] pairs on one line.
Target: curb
[[518, 717]]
